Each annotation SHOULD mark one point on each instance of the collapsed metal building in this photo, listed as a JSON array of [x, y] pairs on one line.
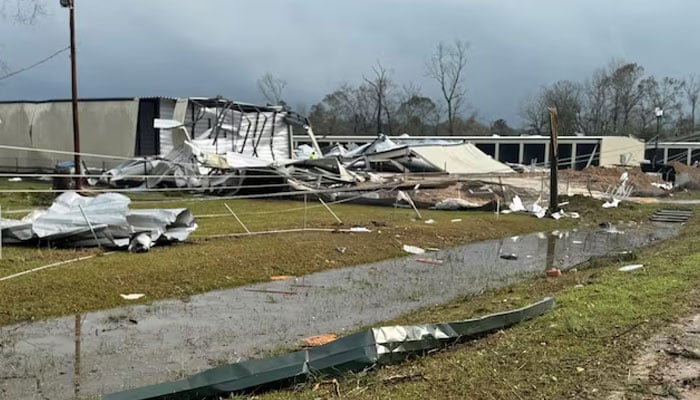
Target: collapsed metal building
[[116, 129]]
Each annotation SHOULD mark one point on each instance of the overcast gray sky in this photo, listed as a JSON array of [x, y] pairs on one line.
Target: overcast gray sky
[[210, 47]]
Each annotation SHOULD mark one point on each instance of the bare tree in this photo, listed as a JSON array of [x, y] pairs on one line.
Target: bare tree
[[692, 96], [566, 97], [380, 85], [446, 66], [533, 111], [22, 11], [596, 97], [627, 93], [271, 88]]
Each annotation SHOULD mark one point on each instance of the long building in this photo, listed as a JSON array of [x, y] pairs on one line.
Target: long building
[[574, 151], [36, 135]]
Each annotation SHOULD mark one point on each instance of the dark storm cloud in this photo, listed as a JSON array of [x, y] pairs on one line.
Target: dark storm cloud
[[180, 48]]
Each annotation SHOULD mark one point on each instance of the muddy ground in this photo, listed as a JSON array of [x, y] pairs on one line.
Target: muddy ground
[[668, 366]]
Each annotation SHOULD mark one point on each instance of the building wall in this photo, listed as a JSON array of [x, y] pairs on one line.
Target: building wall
[[620, 150], [106, 127]]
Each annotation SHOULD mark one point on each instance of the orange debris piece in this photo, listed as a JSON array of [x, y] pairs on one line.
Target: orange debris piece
[[319, 340], [281, 277]]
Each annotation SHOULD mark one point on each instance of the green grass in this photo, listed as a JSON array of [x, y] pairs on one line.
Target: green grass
[[582, 349], [202, 264]]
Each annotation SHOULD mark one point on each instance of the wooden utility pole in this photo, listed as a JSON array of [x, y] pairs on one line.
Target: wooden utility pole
[[70, 4], [553, 160]]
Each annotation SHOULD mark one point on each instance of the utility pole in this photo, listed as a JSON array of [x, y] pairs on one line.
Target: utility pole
[[70, 4], [659, 113], [553, 160]]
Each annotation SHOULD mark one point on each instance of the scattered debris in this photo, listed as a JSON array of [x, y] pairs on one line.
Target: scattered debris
[[15, 179], [133, 296], [516, 204], [288, 292], [509, 256], [455, 204], [413, 249], [664, 185], [612, 203], [281, 277], [105, 220], [628, 268], [357, 229], [395, 379], [341, 250], [456, 220], [356, 352], [433, 261], [554, 272], [677, 216], [319, 340], [430, 222], [141, 243]]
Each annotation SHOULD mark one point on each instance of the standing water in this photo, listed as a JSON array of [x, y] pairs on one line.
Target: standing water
[[127, 347]]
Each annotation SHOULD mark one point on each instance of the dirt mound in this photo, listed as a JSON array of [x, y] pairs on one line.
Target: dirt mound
[[604, 178], [692, 173]]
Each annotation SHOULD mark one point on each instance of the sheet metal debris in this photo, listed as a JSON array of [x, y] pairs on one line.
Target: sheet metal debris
[[376, 346], [105, 220]]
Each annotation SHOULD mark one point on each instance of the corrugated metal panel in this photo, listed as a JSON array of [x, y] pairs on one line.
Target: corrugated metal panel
[[167, 111]]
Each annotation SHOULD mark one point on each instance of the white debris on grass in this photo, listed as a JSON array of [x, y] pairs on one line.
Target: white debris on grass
[[413, 249], [133, 296], [628, 268]]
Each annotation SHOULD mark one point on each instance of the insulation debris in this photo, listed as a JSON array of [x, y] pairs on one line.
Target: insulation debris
[[105, 220]]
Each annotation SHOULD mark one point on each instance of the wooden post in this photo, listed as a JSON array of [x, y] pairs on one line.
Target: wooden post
[[236, 217], [553, 160]]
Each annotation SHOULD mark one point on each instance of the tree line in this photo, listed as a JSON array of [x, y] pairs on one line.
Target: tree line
[[379, 104], [619, 99]]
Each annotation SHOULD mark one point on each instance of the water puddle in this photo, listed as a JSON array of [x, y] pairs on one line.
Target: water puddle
[[111, 350]]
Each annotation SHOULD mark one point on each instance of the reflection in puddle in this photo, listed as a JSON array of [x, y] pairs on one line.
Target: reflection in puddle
[[76, 362], [133, 346]]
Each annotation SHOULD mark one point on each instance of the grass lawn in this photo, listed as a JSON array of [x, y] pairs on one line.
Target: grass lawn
[[583, 349], [202, 264]]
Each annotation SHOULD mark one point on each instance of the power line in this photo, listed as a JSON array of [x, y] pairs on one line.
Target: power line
[[36, 64]]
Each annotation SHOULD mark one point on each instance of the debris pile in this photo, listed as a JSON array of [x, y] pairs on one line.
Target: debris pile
[[603, 179], [105, 220]]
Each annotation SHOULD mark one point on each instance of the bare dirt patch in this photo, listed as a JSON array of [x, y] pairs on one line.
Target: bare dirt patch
[[668, 366]]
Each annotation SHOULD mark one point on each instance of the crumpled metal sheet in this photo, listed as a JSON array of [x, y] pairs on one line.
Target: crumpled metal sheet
[[377, 346], [65, 223]]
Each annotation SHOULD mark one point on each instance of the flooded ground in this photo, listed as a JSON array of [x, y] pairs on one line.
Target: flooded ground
[[110, 350]]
